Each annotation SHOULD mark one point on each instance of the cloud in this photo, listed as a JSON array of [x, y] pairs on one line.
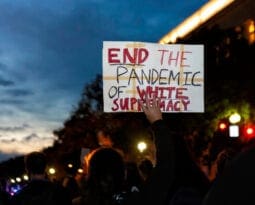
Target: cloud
[[33, 136], [12, 101], [5, 82], [27, 144], [19, 92], [8, 141], [15, 129]]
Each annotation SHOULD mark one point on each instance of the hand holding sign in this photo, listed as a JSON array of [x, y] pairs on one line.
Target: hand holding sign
[[152, 109]]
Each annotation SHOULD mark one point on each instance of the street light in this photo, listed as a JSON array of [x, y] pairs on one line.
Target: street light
[[80, 171], [52, 171], [18, 179], [25, 177], [234, 118], [141, 146]]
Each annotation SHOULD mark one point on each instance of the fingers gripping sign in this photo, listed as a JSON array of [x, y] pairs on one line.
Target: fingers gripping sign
[[151, 108]]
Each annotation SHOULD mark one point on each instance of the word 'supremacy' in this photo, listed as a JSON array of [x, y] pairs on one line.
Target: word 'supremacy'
[[173, 73]]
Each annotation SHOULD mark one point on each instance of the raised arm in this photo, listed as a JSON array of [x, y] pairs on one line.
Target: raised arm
[[161, 182]]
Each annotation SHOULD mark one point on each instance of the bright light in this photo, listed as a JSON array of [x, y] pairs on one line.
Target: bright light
[[251, 28], [189, 24], [80, 171], [25, 177], [222, 126], [70, 165], [249, 131], [12, 181], [234, 118], [52, 170], [18, 179], [141, 146], [234, 131], [198, 18]]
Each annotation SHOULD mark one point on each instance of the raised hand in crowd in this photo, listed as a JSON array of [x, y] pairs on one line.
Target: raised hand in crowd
[[151, 109]]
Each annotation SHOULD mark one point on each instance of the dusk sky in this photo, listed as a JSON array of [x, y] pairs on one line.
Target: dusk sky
[[50, 49]]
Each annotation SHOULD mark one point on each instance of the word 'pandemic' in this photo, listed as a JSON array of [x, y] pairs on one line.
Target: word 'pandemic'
[[154, 76]]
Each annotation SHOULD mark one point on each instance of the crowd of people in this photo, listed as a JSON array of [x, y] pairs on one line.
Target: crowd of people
[[176, 178]]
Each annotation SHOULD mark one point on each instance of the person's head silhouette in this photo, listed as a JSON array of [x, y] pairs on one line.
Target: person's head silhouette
[[106, 166], [35, 164]]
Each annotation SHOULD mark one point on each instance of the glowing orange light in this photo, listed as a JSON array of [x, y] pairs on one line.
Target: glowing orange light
[[251, 27], [222, 126]]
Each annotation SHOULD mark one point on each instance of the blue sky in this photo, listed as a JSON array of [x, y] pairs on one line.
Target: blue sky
[[50, 49]]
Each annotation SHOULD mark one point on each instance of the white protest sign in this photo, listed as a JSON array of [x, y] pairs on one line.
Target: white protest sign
[[172, 72]]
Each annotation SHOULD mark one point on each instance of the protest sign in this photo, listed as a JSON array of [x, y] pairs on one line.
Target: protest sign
[[171, 72]]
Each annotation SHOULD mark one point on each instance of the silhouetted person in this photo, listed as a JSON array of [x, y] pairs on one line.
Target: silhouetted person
[[133, 180], [40, 191], [104, 138], [105, 179], [235, 184], [175, 179], [71, 185], [145, 168]]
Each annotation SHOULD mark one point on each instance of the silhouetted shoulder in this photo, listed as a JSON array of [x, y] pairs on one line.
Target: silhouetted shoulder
[[235, 185]]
